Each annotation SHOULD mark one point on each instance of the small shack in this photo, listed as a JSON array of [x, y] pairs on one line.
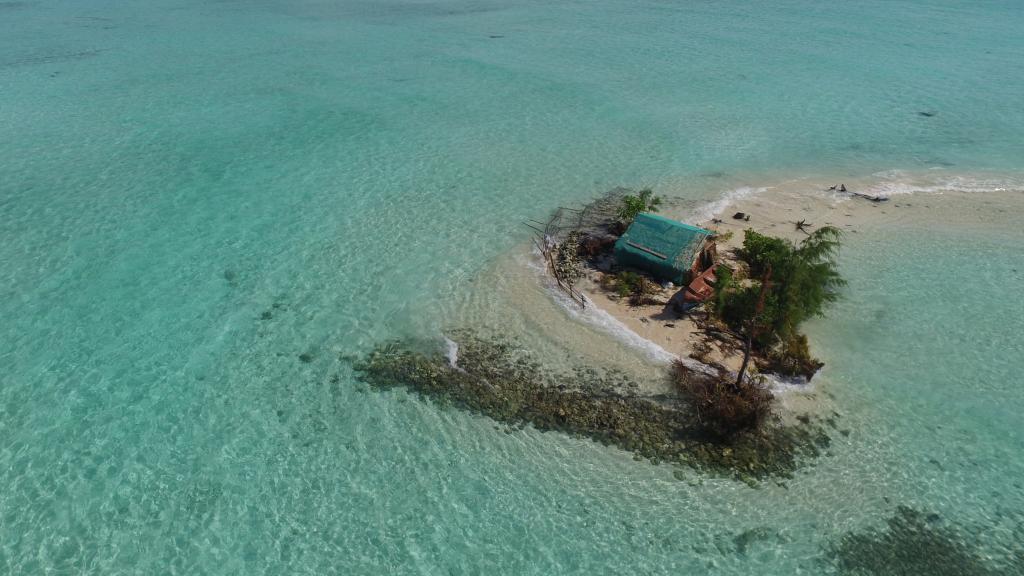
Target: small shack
[[664, 248]]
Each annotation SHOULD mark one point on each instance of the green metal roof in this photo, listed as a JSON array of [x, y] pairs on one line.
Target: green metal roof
[[661, 246]]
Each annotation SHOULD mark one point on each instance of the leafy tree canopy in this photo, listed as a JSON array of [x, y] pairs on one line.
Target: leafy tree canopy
[[802, 279], [643, 201]]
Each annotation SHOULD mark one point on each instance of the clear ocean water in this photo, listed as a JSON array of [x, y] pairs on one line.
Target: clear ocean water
[[203, 205]]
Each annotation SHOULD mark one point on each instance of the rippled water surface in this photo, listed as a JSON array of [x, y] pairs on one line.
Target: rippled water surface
[[204, 205]]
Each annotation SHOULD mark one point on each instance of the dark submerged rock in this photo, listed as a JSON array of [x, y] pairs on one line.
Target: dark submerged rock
[[504, 382], [915, 542]]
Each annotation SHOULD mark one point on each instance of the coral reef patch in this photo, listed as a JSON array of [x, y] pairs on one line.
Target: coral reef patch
[[915, 542], [504, 381]]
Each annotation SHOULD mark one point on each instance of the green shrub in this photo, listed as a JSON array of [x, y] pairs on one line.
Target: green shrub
[[788, 284], [739, 307], [626, 282], [760, 251], [644, 201], [724, 283], [792, 358], [636, 287], [723, 237], [802, 281], [642, 292]]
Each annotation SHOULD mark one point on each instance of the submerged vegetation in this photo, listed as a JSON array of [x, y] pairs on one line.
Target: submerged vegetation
[[501, 380], [707, 417], [918, 543]]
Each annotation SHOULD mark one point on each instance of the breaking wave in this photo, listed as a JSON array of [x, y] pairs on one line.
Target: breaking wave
[[596, 317], [451, 352], [715, 208], [898, 182]]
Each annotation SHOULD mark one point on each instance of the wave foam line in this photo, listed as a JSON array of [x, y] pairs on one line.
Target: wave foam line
[[451, 352], [896, 182], [712, 209], [596, 317]]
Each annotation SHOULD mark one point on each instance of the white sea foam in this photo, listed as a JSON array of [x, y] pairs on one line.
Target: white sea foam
[[712, 209], [451, 351], [898, 182], [598, 318], [781, 384]]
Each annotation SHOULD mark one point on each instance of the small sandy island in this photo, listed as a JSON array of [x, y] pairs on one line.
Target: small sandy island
[[515, 358], [685, 334], [776, 212]]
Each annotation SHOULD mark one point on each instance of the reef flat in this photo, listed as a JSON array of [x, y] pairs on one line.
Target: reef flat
[[502, 380]]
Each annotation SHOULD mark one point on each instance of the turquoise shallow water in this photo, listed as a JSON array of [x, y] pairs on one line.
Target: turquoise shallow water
[[194, 194]]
